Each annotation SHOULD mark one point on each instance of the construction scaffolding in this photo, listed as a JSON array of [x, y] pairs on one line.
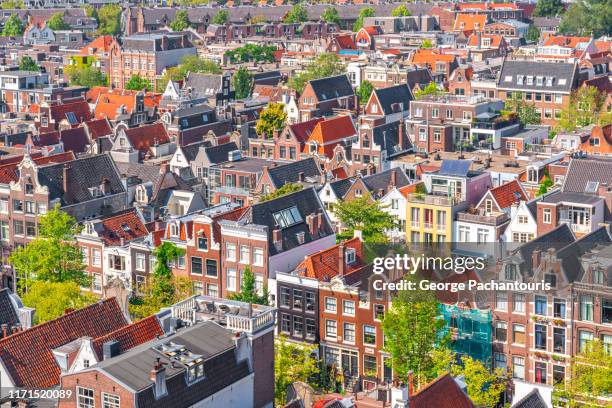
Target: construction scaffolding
[[470, 331]]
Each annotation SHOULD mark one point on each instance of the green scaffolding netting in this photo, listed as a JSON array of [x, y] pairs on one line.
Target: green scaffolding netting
[[471, 331]]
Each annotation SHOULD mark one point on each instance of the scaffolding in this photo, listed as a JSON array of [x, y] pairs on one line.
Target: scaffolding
[[470, 331]]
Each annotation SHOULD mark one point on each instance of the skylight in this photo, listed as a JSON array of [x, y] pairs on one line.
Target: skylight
[[591, 187], [71, 118], [287, 217]]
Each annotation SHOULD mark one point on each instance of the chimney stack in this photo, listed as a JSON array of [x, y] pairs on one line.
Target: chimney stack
[[4, 330], [393, 178], [312, 222], [277, 236], [341, 259], [401, 132], [158, 376], [163, 169], [65, 176]]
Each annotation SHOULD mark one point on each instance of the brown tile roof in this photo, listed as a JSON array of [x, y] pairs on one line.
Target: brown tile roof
[[441, 392], [324, 265], [143, 137], [126, 225], [8, 172], [77, 106], [509, 193], [28, 355], [98, 128], [130, 336]]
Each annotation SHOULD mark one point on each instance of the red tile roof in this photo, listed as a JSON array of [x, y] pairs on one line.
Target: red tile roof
[[507, 194], [131, 335], [430, 57], [75, 140], [330, 132], [46, 139], [346, 42], [143, 137], [496, 40], [98, 128], [470, 22], [303, 130], [126, 225], [324, 264], [77, 106], [565, 41], [99, 45], [28, 355], [108, 102], [441, 392]]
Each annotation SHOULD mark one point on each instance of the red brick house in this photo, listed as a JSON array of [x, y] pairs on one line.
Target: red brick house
[[323, 96]]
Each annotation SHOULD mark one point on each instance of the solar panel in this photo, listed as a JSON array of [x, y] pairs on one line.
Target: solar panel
[[455, 167]]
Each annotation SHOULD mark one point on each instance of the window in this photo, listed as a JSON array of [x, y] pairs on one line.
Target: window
[[30, 207], [518, 368], [607, 342], [4, 206], [449, 114], [437, 135], [298, 326], [540, 337], [559, 339], [203, 243], [258, 256], [558, 374], [540, 372], [559, 308], [379, 312], [598, 277], [330, 304], [369, 334], [349, 333], [110, 401], [309, 301], [140, 262], [369, 365], [244, 254], [500, 361], [518, 334], [4, 230], [30, 229], [501, 329], [42, 208], [85, 398], [540, 305], [583, 338], [116, 262], [285, 323], [85, 252], [522, 219], [586, 308], [422, 134], [211, 267], [330, 329], [287, 217], [196, 265], [230, 252], [435, 113], [546, 216], [348, 307], [518, 303], [17, 205], [501, 301], [606, 311], [311, 329], [297, 299], [96, 258]]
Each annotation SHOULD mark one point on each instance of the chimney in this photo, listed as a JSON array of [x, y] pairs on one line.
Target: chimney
[[311, 221], [341, 259], [65, 176], [277, 236], [158, 376], [275, 134], [105, 186], [393, 178], [401, 132], [4, 330], [478, 39], [535, 258], [110, 349], [163, 169]]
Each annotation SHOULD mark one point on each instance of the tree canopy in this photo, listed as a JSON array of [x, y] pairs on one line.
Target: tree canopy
[[324, 65], [243, 82], [365, 215], [548, 8], [181, 21], [52, 299], [330, 15], [189, 63], [85, 76], [26, 63], [430, 89], [252, 52], [222, 17], [293, 362], [401, 11], [526, 112], [363, 13], [109, 19], [272, 118], [533, 34], [588, 17], [297, 14], [285, 189], [484, 387], [364, 91], [56, 22], [13, 26], [12, 4], [584, 109], [138, 83], [427, 44], [248, 291]]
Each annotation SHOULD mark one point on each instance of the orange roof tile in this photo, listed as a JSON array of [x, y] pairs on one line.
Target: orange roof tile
[[509, 193], [565, 41], [329, 132], [496, 40], [470, 22], [109, 102], [131, 335], [100, 44], [325, 264], [425, 56], [126, 226]]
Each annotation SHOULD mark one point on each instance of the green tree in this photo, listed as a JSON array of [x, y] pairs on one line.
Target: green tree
[[548, 8], [412, 329], [28, 64], [181, 21], [54, 255], [293, 362], [584, 109], [297, 14], [588, 17], [144, 305], [427, 44], [272, 118], [526, 112], [52, 299], [364, 91], [56, 22], [189, 63], [221, 17], [401, 11], [162, 287], [330, 15], [365, 215], [363, 13], [252, 52], [545, 185], [324, 65], [484, 387], [109, 19], [285, 189], [85, 76], [13, 27], [430, 89], [12, 5], [248, 291], [90, 11], [589, 378], [138, 83], [533, 34], [243, 81]]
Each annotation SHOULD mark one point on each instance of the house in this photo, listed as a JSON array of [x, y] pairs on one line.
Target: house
[[394, 203], [192, 124], [141, 143], [376, 185], [321, 96], [389, 104], [35, 34], [441, 65], [214, 90], [484, 46], [63, 114], [365, 37], [123, 106], [306, 172], [523, 225], [327, 134], [332, 192], [181, 160], [597, 141], [287, 144], [470, 22], [377, 145]]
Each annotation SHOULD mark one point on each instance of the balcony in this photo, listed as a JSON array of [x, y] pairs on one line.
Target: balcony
[[494, 125], [492, 219], [432, 199], [579, 228], [229, 190]]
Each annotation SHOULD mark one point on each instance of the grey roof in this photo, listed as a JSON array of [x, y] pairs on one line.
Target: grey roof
[[571, 255], [193, 110], [341, 187], [420, 76], [394, 98], [8, 314], [191, 150], [332, 87], [306, 201], [203, 85], [556, 239], [248, 165], [541, 22], [378, 181], [290, 172], [531, 400], [213, 342], [569, 197], [387, 137], [220, 153], [582, 170], [83, 174], [513, 69]]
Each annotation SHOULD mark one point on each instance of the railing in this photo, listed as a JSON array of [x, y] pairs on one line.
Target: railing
[[185, 309], [232, 190], [415, 224], [251, 324], [428, 226], [579, 228], [495, 219], [432, 199], [493, 124]]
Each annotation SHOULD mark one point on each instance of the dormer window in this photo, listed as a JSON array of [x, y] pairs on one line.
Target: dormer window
[[488, 206], [174, 230], [532, 175], [551, 279], [195, 372], [598, 277], [510, 272], [29, 188], [89, 228], [350, 256], [287, 217]]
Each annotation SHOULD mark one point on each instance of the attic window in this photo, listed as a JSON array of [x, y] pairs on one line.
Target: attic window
[[88, 228], [287, 217], [71, 118], [508, 78], [591, 187], [95, 192], [350, 256], [174, 231], [562, 81]]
